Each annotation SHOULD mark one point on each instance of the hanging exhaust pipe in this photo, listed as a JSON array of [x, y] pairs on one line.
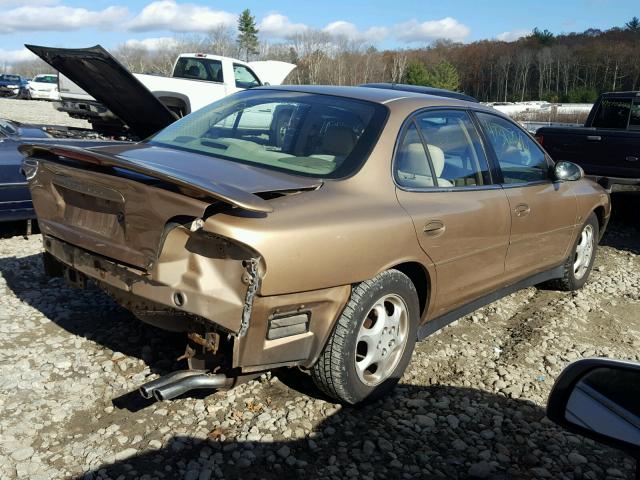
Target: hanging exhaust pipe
[[148, 388], [200, 380]]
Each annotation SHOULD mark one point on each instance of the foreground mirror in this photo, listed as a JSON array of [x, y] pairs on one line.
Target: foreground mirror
[[568, 171], [600, 399]]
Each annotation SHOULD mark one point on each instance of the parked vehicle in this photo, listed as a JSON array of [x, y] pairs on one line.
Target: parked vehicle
[[43, 87], [12, 85], [331, 238], [608, 146], [15, 200], [198, 79], [598, 399]]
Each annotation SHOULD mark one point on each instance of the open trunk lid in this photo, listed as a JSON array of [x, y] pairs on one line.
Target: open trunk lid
[[120, 201], [272, 72], [103, 77]]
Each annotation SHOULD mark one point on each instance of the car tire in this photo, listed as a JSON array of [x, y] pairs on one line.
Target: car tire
[[579, 263], [371, 343]]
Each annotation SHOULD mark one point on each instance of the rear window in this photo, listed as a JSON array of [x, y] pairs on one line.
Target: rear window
[[613, 113], [199, 69], [46, 79], [308, 134]]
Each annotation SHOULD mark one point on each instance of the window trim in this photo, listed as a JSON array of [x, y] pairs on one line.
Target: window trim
[[494, 156], [411, 118]]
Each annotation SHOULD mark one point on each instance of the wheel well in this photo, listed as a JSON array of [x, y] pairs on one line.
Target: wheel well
[[599, 211], [420, 279], [176, 105]]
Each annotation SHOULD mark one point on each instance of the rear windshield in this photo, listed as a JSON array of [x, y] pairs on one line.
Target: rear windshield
[[11, 78], [309, 134], [199, 69], [46, 79]]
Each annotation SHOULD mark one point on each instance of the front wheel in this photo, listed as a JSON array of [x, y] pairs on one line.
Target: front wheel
[[372, 341], [579, 263]]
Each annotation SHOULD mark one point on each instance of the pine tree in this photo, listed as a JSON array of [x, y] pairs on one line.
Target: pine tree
[[417, 74], [444, 75], [247, 34], [633, 24]]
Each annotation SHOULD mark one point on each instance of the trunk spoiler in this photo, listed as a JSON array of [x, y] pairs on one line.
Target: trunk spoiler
[[226, 193]]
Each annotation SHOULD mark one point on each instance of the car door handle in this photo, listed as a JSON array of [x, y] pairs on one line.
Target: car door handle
[[631, 158], [434, 227], [522, 210], [594, 138]]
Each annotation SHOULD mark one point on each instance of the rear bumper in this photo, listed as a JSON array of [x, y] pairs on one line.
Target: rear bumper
[[263, 345], [613, 184]]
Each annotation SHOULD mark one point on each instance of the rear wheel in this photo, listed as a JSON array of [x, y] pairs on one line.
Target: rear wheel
[[580, 261], [372, 341]]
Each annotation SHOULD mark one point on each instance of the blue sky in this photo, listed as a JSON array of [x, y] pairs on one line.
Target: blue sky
[[399, 23]]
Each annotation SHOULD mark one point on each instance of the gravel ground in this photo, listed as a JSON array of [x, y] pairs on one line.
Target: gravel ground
[[37, 111], [470, 405]]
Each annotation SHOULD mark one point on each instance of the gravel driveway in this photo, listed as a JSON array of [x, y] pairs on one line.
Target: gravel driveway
[[37, 111], [471, 404]]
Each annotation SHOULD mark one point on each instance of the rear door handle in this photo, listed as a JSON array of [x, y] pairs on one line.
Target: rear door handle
[[522, 210], [434, 227], [594, 138]]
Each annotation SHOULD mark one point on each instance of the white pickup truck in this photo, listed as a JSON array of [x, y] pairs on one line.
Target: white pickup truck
[[95, 86]]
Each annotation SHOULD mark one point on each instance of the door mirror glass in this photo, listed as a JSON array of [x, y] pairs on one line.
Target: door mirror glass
[[598, 398], [568, 171]]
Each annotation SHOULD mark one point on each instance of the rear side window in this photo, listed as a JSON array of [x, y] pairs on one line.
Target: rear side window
[[199, 69], [245, 78], [455, 149], [634, 118], [519, 157], [612, 113], [412, 168]]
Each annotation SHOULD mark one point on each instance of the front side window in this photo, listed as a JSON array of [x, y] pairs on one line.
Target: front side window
[[634, 118], [199, 69], [521, 160], [313, 135], [612, 113], [245, 78]]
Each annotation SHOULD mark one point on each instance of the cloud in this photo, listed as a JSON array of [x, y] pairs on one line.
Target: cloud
[[59, 18], [276, 25], [179, 17], [513, 35], [15, 56], [152, 44], [346, 29], [446, 28]]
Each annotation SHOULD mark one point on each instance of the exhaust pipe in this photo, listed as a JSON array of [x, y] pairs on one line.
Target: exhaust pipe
[[148, 388], [173, 389]]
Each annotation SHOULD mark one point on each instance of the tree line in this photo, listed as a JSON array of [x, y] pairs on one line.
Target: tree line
[[571, 67]]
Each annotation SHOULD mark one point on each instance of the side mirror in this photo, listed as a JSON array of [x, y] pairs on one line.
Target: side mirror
[[599, 398], [568, 171]]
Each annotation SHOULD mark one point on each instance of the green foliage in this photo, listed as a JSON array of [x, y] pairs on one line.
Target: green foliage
[[247, 34], [633, 25], [543, 37], [443, 75], [582, 95], [417, 74]]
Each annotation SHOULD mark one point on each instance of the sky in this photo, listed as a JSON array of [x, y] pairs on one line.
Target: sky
[[384, 24]]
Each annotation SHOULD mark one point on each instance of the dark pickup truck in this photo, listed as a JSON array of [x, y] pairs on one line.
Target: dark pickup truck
[[608, 146]]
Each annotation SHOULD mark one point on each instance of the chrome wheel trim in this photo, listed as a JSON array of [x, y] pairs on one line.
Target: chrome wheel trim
[[584, 252], [382, 339]]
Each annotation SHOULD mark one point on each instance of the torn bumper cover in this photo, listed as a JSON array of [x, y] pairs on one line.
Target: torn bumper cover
[[189, 285]]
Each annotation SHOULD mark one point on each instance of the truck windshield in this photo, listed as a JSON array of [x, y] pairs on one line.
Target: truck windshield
[[613, 113], [309, 134], [199, 69]]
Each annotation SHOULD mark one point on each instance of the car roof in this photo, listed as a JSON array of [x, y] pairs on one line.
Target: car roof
[[440, 92], [377, 95]]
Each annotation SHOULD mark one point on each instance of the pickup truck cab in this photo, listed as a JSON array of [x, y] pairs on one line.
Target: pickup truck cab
[[197, 80], [608, 146]]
